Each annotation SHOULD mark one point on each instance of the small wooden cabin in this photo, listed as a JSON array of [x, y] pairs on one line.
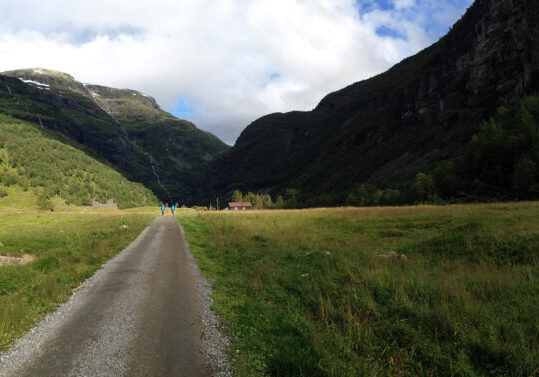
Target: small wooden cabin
[[234, 206]]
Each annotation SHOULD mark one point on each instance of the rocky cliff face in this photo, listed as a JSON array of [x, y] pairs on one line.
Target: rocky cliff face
[[490, 58], [421, 111], [122, 126]]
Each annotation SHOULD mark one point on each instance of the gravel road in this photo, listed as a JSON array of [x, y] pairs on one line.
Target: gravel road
[[144, 313]]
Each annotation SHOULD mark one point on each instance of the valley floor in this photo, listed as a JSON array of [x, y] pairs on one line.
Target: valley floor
[[68, 247], [143, 314], [320, 292], [310, 292]]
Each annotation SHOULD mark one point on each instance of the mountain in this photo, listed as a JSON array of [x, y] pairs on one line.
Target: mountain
[[123, 127], [418, 116], [39, 168]]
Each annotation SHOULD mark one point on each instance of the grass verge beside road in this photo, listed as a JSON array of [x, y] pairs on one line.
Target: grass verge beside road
[[69, 248], [304, 293]]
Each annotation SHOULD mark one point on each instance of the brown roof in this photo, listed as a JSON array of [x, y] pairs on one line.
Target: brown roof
[[239, 204]]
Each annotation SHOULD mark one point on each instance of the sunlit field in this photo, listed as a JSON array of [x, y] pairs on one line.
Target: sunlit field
[[304, 293], [68, 246]]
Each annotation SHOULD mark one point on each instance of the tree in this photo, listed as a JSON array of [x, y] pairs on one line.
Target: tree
[[266, 201], [362, 196], [257, 201], [9, 178], [446, 179], [524, 179], [292, 198], [249, 197], [423, 186], [237, 196]]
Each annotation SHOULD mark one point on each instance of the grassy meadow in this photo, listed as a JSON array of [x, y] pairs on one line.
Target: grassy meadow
[[303, 292], [69, 247]]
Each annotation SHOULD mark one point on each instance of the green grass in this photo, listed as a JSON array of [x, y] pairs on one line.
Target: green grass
[[303, 293], [69, 247]]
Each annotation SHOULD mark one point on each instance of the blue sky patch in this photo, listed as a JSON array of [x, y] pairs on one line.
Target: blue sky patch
[[435, 17], [274, 76], [385, 31], [367, 6], [183, 110]]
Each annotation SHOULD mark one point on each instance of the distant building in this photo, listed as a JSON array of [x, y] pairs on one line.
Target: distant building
[[234, 206]]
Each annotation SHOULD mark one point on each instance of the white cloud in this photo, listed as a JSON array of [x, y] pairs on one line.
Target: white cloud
[[217, 56]]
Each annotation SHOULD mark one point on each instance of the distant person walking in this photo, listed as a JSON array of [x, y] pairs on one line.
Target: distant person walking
[[173, 208], [163, 208]]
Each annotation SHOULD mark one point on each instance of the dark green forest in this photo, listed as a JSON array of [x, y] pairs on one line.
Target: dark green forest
[[500, 163]]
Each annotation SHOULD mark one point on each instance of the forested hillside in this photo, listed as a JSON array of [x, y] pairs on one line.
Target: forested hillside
[[50, 166], [123, 126]]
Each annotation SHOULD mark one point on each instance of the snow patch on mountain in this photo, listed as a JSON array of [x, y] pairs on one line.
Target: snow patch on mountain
[[38, 84]]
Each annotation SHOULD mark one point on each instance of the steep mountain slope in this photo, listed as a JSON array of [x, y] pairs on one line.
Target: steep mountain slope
[[41, 165], [422, 111], [177, 147], [111, 123]]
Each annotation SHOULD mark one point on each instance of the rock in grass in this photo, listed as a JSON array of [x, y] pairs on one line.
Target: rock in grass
[[61, 232], [327, 252], [27, 258], [13, 260], [1, 244], [392, 255], [123, 227]]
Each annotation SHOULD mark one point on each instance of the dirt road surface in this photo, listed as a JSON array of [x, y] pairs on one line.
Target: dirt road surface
[[140, 315]]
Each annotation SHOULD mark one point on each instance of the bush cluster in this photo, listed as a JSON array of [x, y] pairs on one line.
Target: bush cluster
[[257, 200], [292, 198]]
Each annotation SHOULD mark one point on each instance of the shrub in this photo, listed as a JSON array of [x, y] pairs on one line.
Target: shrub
[[9, 178], [44, 203]]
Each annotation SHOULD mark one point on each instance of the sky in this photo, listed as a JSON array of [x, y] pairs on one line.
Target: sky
[[222, 63]]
